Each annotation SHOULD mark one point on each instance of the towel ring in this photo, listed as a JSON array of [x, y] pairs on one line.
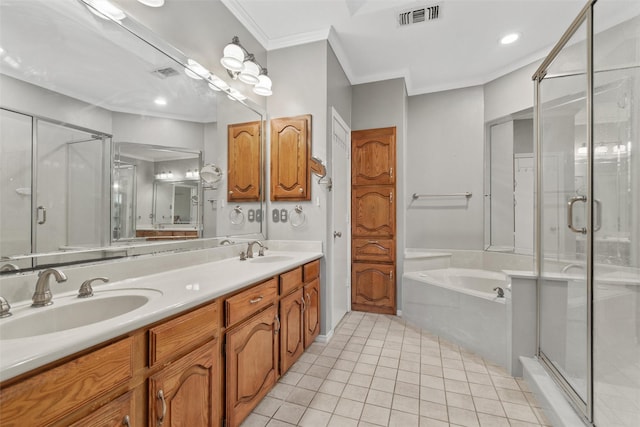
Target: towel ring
[[297, 217], [236, 216]]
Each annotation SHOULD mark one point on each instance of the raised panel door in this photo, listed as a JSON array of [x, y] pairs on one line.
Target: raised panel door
[[185, 393], [373, 211], [243, 162], [373, 288], [251, 363], [373, 156], [311, 311], [290, 151], [292, 330], [117, 413]]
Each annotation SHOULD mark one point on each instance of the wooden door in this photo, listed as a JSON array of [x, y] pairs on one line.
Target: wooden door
[[373, 229], [251, 362], [311, 311], [373, 156], [290, 151], [291, 330], [374, 212], [185, 393], [373, 287], [243, 182]]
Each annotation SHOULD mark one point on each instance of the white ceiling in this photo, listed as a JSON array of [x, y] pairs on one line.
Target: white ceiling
[[460, 49]]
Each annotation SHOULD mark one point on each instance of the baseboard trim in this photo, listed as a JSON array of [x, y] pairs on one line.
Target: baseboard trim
[[399, 313], [325, 338]]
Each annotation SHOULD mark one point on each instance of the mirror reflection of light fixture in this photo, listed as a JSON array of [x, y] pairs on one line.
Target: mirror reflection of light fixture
[[242, 65], [106, 10], [195, 70]]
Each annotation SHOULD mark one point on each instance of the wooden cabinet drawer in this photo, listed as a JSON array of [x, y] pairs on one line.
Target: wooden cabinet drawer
[[290, 281], [112, 414], [376, 250], [42, 399], [182, 333], [311, 271], [250, 301]]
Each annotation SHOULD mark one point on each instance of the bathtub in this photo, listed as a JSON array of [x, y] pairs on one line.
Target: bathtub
[[459, 304]]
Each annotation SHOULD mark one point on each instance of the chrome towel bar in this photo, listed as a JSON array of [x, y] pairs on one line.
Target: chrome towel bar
[[420, 196]]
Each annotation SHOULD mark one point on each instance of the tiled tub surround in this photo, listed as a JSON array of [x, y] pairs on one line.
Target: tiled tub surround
[[445, 295], [185, 280], [378, 370]]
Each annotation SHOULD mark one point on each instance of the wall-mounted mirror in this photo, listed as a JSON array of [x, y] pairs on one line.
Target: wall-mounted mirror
[[76, 85], [509, 184]]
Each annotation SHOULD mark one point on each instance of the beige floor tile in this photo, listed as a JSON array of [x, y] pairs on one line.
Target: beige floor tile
[[255, 420], [281, 391], [516, 423], [309, 382], [318, 371], [463, 401], [431, 360], [462, 417], [349, 355], [408, 377], [277, 423], [487, 420], [406, 404], [344, 365], [380, 398], [324, 402], [433, 395], [406, 389], [408, 365], [289, 413], [432, 370], [355, 392], [375, 415], [430, 422], [301, 396], [384, 372], [519, 412], [338, 375], [372, 350], [388, 352], [455, 386], [483, 390], [326, 360], [371, 359], [349, 408], [410, 357], [432, 382], [389, 362], [489, 406], [478, 378], [452, 363], [314, 418], [268, 406], [512, 396], [361, 380], [454, 374], [507, 383], [403, 419], [332, 387], [364, 368], [291, 378], [434, 410], [340, 421]]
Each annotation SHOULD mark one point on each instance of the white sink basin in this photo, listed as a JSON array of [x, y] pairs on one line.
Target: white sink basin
[[71, 312], [268, 259]]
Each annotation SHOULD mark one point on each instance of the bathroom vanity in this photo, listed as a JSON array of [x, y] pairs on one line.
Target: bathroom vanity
[[206, 347]]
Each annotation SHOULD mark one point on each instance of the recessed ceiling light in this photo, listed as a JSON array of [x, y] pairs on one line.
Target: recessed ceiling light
[[509, 38], [152, 3], [160, 101]]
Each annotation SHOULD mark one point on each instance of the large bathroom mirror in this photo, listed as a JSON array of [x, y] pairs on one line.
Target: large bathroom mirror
[[509, 184], [103, 134]]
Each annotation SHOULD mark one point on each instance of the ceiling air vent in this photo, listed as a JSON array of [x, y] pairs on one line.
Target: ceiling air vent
[[419, 14], [163, 73]]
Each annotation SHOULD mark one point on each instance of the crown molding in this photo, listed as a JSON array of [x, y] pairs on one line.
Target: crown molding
[[245, 19]]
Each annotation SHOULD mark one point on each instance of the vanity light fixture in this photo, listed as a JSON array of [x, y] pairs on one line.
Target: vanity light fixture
[[235, 95], [242, 65], [509, 38], [195, 70], [152, 3]]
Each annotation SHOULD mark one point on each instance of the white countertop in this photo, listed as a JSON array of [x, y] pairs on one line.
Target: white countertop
[[179, 290]]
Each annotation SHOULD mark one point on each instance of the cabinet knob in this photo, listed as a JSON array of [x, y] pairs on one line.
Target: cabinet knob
[[300, 189], [126, 421]]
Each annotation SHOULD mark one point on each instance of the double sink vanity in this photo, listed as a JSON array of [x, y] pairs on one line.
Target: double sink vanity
[[198, 345]]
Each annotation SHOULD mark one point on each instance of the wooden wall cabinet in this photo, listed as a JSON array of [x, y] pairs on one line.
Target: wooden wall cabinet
[[290, 158], [244, 157], [373, 210]]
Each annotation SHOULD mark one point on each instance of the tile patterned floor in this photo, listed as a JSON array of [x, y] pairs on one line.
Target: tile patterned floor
[[378, 370]]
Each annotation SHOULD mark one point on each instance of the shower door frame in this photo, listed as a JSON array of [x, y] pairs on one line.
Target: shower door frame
[[584, 407]]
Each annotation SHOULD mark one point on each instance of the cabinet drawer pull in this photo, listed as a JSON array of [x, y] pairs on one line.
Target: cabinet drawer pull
[[304, 304], [277, 325], [256, 300], [391, 275], [126, 421], [390, 172], [391, 197], [164, 408], [373, 242]]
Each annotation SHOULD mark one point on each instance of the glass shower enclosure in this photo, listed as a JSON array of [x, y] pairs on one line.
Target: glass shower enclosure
[[588, 221]]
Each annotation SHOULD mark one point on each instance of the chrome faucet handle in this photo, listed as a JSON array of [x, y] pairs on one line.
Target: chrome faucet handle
[[86, 290], [42, 295], [261, 250], [5, 308], [9, 267], [243, 256]]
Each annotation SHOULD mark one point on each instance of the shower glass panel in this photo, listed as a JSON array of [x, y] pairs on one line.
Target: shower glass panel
[[124, 201], [563, 318], [616, 192]]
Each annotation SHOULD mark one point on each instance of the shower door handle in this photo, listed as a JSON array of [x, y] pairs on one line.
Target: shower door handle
[[44, 214], [570, 204], [597, 222]]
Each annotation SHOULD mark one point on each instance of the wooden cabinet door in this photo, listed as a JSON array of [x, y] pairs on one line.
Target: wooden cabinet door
[[117, 413], [292, 330], [290, 151], [376, 250], [243, 162], [186, 392], [251, 362], [373, 211], [311, 311], [374, 156], [373, 288]]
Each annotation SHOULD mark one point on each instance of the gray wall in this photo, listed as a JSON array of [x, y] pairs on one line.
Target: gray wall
[[444, 155], [510, 93]]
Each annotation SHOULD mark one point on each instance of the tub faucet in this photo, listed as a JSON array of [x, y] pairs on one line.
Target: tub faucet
[[572, 265], [42, 295], [250, 248], [500, 291]]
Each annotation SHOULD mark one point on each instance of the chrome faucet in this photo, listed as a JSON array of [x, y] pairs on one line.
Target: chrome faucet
[[5, 308], [260, 251], [42, 295], [86, 290], [500, 291], [9, 267]]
